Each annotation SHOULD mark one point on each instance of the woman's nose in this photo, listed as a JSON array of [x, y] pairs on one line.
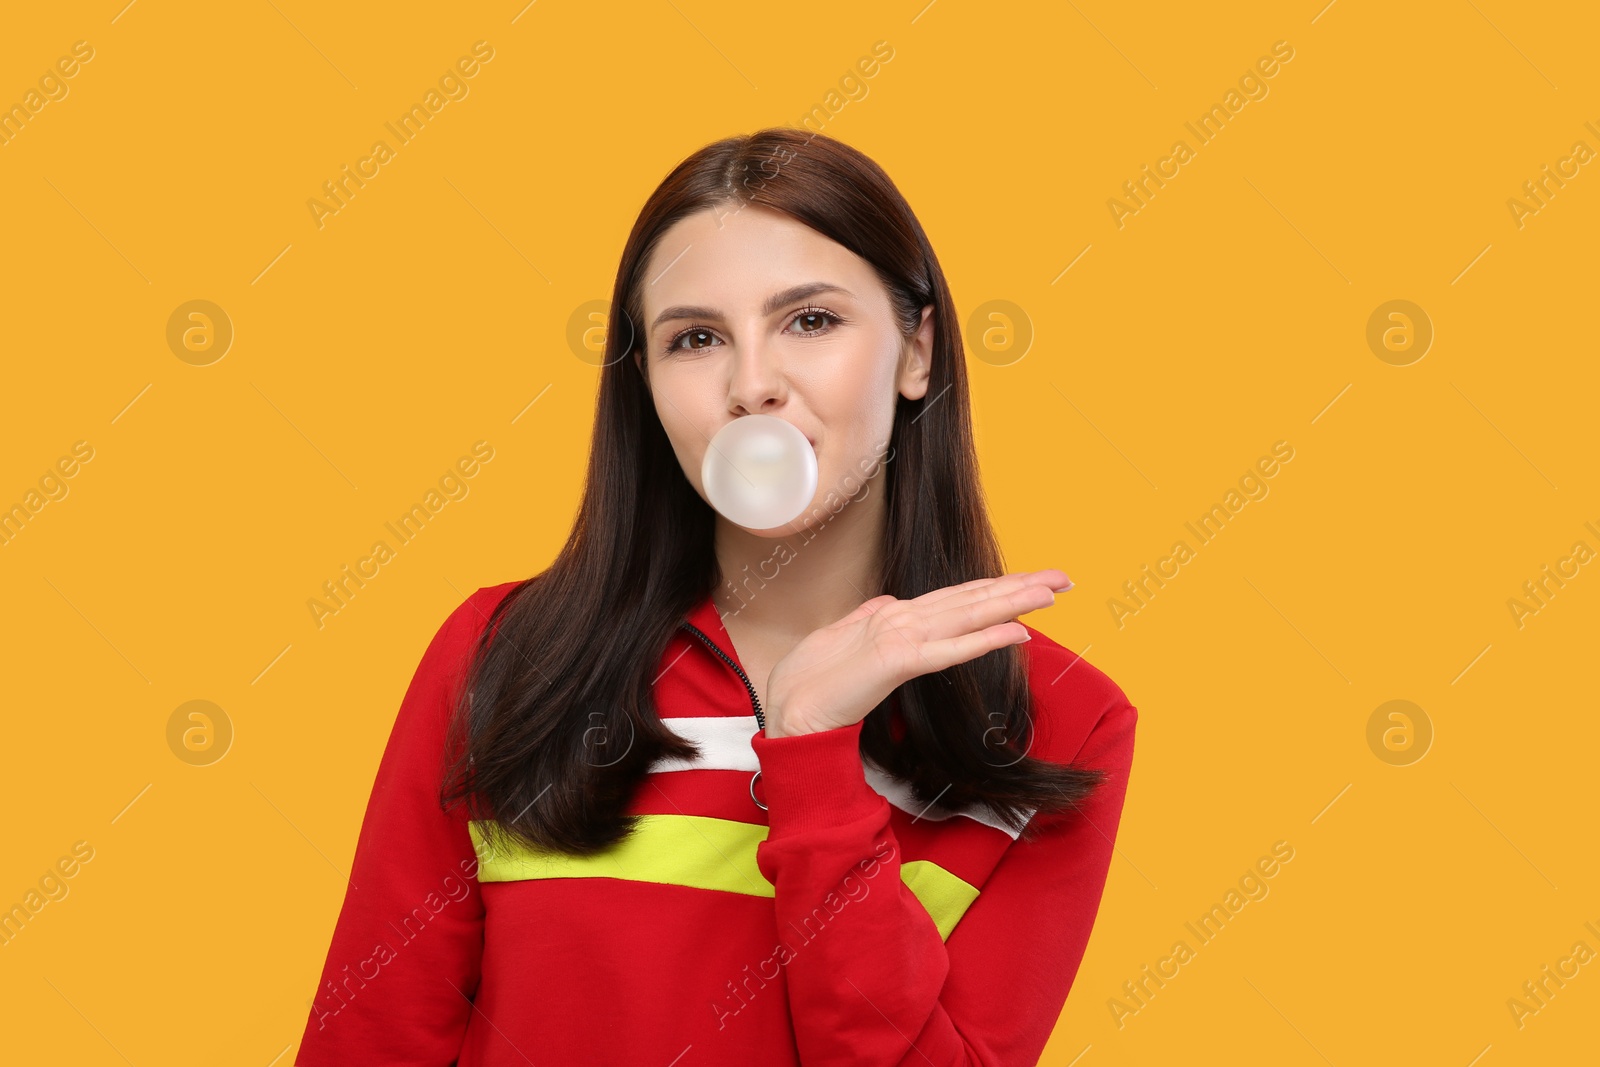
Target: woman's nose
[[756, 377]]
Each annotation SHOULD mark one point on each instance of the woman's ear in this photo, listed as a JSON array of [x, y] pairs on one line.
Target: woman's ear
[[916, 359]]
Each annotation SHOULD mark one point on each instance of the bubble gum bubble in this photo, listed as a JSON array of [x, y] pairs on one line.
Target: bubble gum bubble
[[759, 472]]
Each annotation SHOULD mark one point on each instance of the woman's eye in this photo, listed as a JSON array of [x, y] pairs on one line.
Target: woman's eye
[[699, 338], [694, 336], [815, 321]]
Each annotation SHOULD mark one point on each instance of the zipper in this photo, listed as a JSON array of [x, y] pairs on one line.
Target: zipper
[[755, 701]]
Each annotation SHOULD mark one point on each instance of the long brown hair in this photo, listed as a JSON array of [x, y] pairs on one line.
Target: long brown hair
[[568, 658]]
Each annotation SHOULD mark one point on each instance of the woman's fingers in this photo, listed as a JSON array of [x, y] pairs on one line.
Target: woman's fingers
[[1001, 600], [935, 596], [977, 615], [973, 620], [1052, 578], [950, 651], [960, 622]]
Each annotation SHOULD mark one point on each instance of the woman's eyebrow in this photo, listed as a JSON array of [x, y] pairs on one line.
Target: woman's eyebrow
[[774, 303]]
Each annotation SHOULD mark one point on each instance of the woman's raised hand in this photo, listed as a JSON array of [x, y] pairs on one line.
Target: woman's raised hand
[[838, 674]]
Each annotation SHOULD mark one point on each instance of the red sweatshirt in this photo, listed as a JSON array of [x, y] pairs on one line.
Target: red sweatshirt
[[840, 925]]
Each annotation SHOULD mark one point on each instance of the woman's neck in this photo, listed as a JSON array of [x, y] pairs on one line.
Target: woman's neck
[[792, 585]]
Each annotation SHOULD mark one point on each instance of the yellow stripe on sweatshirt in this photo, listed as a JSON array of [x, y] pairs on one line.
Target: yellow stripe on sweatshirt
[[703, 853]]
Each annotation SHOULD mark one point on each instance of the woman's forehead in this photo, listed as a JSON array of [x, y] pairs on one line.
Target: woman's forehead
[[737, 263]]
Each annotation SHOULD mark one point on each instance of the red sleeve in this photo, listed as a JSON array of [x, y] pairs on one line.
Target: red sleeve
[[878, 986], [406, 950]]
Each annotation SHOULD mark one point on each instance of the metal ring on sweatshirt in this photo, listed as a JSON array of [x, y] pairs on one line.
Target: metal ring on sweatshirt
[[760, 805]]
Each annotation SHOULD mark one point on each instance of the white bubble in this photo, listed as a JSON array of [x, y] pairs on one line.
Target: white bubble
[[759, 472]]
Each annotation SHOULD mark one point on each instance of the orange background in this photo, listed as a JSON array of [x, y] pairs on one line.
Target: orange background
[[1439, 859]]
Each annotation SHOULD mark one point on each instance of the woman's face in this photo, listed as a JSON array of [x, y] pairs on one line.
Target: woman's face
[[750, 312]]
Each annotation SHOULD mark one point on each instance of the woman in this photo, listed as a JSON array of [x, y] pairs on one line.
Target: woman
[[703, 794]]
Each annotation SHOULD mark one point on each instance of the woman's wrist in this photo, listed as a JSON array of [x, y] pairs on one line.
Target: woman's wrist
[[785, 731], [778, 726]]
